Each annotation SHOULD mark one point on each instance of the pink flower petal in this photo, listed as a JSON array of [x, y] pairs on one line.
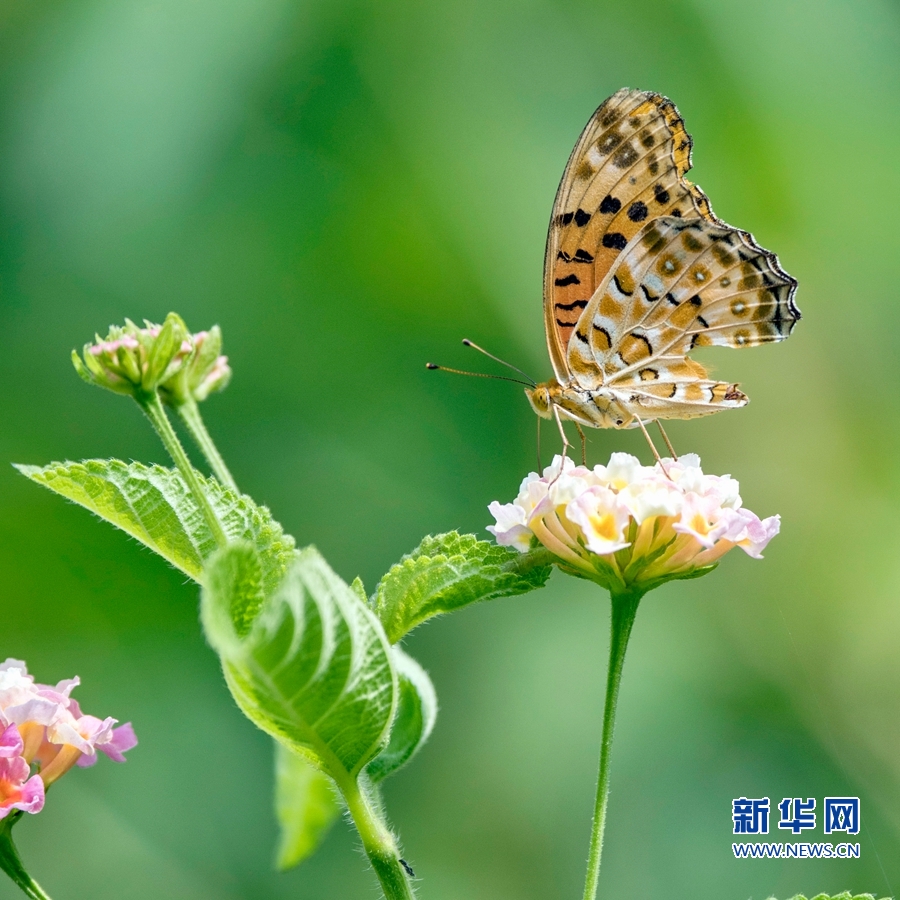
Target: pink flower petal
[[17, 789], [11, 743], [32, 795], [123, 739]]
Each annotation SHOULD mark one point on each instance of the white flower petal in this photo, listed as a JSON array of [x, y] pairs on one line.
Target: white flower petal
[[601, 518]]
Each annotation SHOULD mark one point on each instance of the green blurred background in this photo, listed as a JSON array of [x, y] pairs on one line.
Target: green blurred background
[[349, 188]]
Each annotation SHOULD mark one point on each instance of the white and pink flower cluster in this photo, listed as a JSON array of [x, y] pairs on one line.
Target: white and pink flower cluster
[[131, 360], [629, 524], [43, 733]]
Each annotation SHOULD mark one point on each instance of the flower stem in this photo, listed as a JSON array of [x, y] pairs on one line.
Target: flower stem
[[190, 415], [12, 865], [152, 406], [378, 842], [624, 609]]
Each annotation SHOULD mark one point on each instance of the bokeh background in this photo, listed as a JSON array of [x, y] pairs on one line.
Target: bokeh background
[[349, 188]]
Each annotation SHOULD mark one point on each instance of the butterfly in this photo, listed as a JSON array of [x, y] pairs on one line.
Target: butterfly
[[638, 272]]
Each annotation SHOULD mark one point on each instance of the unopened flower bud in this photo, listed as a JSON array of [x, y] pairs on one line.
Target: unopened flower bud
[[204, 373], [133, 360]]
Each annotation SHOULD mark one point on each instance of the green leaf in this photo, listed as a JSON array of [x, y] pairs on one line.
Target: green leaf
[[413, 721], [154, 505], [359, 589], [314, 670], [846, 895], [306, 806], [448, 571]]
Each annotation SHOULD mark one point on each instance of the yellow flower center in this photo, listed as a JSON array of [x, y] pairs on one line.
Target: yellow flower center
[[605, 526], [699, 524]]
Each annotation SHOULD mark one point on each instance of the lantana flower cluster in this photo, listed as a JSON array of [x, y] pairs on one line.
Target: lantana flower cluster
[[626, 525], [137, 361], [43, 734]]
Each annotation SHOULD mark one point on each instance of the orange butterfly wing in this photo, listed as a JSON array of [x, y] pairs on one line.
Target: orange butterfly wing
[[626, 169]]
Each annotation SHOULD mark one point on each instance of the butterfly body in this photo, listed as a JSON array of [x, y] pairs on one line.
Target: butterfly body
[[599, 408], [611, 408], [639, 271]]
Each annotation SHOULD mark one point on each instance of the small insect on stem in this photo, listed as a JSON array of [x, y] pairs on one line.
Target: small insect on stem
[[407, 868]]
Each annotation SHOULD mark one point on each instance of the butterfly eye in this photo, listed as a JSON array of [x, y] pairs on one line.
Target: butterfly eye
[[539, 398]]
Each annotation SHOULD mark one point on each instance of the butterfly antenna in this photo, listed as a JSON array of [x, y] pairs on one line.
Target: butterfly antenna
[[503, 362], [478, 374]]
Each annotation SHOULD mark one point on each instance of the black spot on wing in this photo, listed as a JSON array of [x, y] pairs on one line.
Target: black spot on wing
[[637, 212], [566, 324], [610, 204], [569, 279], [614, 240], [647, 295], [608, 116], [609, 143], [625, 157], [582, 217], [575, 304], [660, 194], [581, 337]]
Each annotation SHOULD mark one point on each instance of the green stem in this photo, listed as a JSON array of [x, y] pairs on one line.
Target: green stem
[[153, 407], [12, 865], [624, 609], [378, 842], [190, 415]]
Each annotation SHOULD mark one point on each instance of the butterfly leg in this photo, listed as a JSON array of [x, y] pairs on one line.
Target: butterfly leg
[[665, 437], [539, 468], [583, 445], [653, 447], [565, 441]]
